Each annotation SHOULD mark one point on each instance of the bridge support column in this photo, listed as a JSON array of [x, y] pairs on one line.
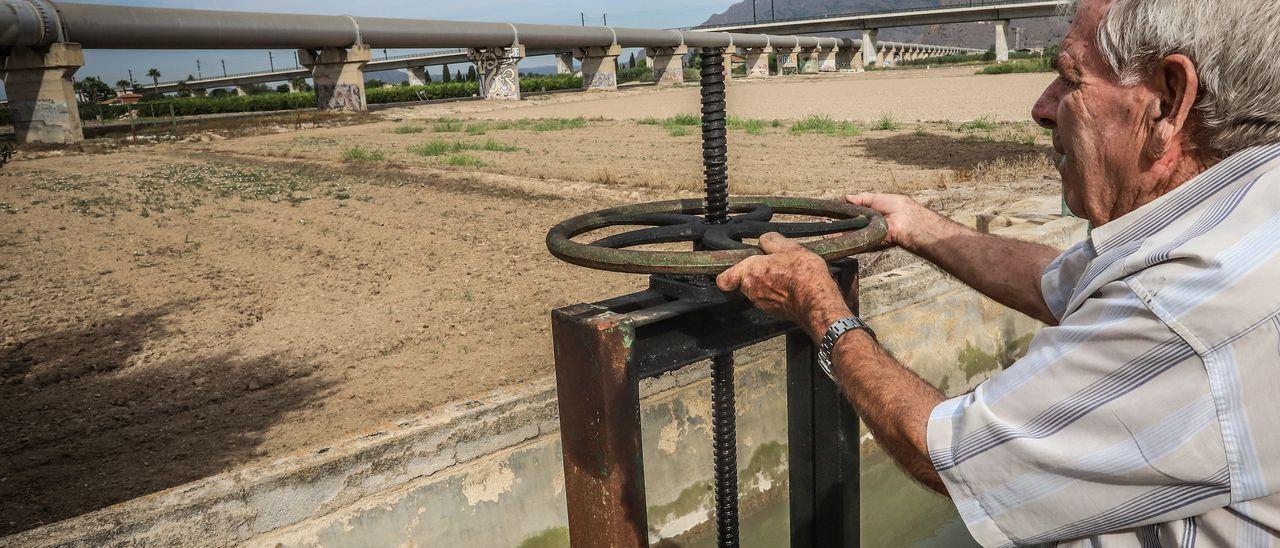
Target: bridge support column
[[787, 65], [827, 59], [499, 71], [757, 61], [564, 63], [42, 97], [1002, 41], [339, 82], [808, 60], [201, 92], [241, 91], [729, 52], [417, 76], [668, 64], [844, 58], [599, 67], [869, 55]]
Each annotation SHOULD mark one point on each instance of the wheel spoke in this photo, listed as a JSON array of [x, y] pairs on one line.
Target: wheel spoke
[[655, 219], [760, 213], [687, 232], [722, 237], [799, 230]]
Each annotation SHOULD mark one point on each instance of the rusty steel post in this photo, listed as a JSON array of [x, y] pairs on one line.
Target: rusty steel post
[[600, 427]]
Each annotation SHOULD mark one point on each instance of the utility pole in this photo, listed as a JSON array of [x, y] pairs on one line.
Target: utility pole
[[773, 15], [271, 59], [583, 15], [131, 77], [753, 12], [605, 18], [201, 76], [224, 67], [296, 62]]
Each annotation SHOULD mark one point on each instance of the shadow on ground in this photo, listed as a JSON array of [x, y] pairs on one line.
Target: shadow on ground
[[88, 419], [940, 151]]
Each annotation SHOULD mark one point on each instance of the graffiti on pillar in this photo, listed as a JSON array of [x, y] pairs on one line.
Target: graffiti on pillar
[[787, 64], [758, 66], [600, 80], [500, 74], [340, 97]]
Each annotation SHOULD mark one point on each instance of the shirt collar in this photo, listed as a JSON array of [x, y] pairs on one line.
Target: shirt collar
[[1166, 209]]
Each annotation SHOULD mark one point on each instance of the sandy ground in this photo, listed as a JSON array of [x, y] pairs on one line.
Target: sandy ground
[[171, 311]]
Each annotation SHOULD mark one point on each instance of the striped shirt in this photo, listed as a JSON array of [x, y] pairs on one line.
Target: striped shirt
[[1149, 415]]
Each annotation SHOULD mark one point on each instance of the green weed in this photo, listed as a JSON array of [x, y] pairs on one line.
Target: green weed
[[447, 125], [819, 123], [357, 154], [409, 129], [751, 126], [886, 123], [462, 160]]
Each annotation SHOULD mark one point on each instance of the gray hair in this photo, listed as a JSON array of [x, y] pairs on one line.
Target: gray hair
[[1232, 45]]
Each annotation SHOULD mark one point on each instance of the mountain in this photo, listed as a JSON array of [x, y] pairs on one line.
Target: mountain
[[1035, 32]]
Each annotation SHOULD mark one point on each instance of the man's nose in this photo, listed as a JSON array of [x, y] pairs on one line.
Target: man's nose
[[1045, 111]]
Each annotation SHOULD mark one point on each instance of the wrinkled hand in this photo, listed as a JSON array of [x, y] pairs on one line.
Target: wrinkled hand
[[790, 282], [907, 218]]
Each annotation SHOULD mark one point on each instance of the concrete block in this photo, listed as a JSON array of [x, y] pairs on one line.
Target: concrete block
[[339, 80], [599, 67], [668, 65], [757, 62], [499, 71], [42, 98]]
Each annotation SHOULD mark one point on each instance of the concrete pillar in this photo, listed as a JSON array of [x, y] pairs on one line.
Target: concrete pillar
[[668, 64], [870, 57], [729, 53], [241, 91], [787, 65], [499, 70], [757, 61], [1002, 42], [564, 63], [201, 92], [599, 67], [827, 59], [339, 82], [42, 98], [417, 76], [844, 58], [809, 61], [858, 65]]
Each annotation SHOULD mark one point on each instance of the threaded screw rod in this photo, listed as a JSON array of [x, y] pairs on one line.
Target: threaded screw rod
[[715, 162], [715, 150], [724, 450]]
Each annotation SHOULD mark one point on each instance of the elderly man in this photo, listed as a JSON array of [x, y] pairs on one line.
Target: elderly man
[[1145, 414]]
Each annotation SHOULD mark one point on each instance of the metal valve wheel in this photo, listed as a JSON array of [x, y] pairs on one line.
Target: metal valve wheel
[[716, 246]]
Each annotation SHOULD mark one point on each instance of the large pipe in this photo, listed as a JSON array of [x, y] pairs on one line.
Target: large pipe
[[125, 27]]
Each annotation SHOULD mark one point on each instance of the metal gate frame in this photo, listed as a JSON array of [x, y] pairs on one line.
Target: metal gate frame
[[603, 350]]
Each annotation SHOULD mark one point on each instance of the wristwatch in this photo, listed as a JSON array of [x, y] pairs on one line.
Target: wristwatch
[[833, 334]]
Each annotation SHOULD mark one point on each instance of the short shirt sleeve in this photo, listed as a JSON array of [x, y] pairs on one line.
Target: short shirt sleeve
[[1060, 277], [1107, 423]]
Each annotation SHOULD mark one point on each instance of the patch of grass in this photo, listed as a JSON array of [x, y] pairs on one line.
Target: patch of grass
[[649, 121], [984, 123], [1019, 67], [432, 148], [462, 160], [886, 123], [678, 131], [406, 129], [683, 120], [749, 125], [559, 124], [358, 154], [819, 123], [447, 125], [477, 129], [440, 148]]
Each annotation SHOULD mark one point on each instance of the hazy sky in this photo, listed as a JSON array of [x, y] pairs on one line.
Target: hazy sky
[[113, 65]]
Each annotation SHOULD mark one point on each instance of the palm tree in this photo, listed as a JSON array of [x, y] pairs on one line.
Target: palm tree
[[155, 76], [123, 85]]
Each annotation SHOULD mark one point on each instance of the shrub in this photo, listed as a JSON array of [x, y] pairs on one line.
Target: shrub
[[409, 129], [462, 160], [886, 123], [817, 123]]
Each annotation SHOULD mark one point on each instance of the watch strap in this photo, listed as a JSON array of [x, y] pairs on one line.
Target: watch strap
[[837, 329]]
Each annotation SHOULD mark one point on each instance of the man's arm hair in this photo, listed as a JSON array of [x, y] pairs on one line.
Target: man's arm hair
[[1004, 269]]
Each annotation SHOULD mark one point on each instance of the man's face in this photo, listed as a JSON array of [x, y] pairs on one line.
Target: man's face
[[1098, 125]]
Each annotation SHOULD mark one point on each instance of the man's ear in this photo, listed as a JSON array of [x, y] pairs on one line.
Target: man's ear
[[1176, 86]]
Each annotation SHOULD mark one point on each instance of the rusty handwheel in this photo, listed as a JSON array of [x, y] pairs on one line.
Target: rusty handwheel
[[715, 246]]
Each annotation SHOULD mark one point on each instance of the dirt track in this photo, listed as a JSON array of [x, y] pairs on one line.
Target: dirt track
[[171, 311]]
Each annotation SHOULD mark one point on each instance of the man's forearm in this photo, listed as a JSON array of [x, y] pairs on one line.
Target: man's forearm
[[893, 401], [1006, 270]]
